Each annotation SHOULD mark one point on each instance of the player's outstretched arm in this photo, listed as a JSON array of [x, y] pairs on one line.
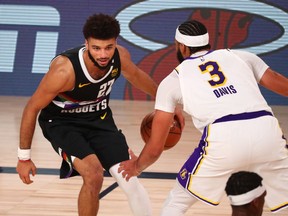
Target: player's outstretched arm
[[135, 75], [275, 82], [152, 149]]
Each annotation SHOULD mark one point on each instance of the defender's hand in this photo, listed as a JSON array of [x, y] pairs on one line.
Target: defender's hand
[[128, 167], [24, 168]]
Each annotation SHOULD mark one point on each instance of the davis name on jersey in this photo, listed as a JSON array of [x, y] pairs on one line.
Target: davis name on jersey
[[225, 91]]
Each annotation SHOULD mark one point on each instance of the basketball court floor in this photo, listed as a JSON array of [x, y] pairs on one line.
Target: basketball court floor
[[50, 196]]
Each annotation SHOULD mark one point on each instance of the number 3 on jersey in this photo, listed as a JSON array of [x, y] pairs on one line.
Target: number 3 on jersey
[[217, 76]]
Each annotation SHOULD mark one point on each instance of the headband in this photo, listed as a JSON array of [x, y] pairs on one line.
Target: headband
[[192, 41], [242, 199]]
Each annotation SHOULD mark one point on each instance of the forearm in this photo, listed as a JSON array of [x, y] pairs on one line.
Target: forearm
[[150, 89], [145, 84], [147, 157], [275, 82], [27, 129], [155, 146]]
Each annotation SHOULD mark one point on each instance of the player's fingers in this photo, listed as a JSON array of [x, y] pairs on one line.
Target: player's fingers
[[181, 120], [182, 123], [124, 174], [29, 181], [128, 177], [33, 171], [25, 180], [120, 168], [131, 153]]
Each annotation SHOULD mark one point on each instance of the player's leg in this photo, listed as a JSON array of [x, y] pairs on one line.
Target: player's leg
[[92, 173], [69, 143], [272, 163], [207, 183], [275, 177], [111, 148], [137, 196], [177, 202]]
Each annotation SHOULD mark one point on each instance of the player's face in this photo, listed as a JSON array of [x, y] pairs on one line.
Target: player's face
[[261, 203], [100, 51]]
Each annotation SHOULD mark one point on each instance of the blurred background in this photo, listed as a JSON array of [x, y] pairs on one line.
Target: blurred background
[[33, 32]]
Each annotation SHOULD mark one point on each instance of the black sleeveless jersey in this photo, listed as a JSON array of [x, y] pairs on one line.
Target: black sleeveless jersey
[[90, 97]]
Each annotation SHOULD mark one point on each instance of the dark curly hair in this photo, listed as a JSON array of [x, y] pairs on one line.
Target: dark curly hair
[[194, 28], [101, 26], [242, 182]]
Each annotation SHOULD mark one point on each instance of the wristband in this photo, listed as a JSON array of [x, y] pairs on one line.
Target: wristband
[[24, 154], [24, 160]]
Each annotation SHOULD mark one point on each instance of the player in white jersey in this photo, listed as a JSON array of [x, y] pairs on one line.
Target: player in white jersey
[[219, 89]]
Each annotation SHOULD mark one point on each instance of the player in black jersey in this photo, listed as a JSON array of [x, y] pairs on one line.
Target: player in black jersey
[[73, 98]]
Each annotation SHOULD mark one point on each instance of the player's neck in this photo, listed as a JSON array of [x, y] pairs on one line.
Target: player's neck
[[94, 71], [199, 53]]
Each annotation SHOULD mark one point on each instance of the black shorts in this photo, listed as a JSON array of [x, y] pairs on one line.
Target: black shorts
[[74, 137]]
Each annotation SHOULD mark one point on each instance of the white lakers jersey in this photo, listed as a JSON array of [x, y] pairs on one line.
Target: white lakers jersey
[[214, 84]]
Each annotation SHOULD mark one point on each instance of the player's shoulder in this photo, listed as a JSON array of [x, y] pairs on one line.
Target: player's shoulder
[[232, 51], [122, 51], [67, 56], [60, 61], [242, 53], [171, 79], [124, 54], [61, 66]]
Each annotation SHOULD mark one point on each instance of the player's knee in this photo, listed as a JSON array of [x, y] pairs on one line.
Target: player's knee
[[93, 177], [91, 171]]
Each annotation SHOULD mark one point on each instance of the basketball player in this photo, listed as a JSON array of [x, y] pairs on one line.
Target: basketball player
[[75, 117], [218, 88], [246, 193]]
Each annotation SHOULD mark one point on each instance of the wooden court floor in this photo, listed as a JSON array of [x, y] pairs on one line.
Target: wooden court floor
[[50, 196]]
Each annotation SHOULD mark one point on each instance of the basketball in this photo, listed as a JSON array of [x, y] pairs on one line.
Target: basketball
[[173, 136]]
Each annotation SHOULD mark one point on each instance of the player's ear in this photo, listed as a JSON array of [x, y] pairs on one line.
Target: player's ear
[[184, 50], [181, 46], [86, 44]]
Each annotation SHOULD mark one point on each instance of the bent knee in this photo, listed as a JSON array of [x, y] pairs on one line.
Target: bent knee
[[93, 174], [90, 169]]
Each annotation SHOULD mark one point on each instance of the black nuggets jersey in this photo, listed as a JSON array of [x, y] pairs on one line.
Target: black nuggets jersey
[[90, 97]]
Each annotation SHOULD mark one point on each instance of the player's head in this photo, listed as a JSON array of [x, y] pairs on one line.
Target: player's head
[[192, 34], [245, 190], [101, 26], [100, 32]]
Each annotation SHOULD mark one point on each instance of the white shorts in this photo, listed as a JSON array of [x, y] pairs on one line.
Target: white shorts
[[256, 145]]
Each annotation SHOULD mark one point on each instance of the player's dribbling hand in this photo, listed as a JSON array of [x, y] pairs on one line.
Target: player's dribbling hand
[[128, 167], [24, 169]]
